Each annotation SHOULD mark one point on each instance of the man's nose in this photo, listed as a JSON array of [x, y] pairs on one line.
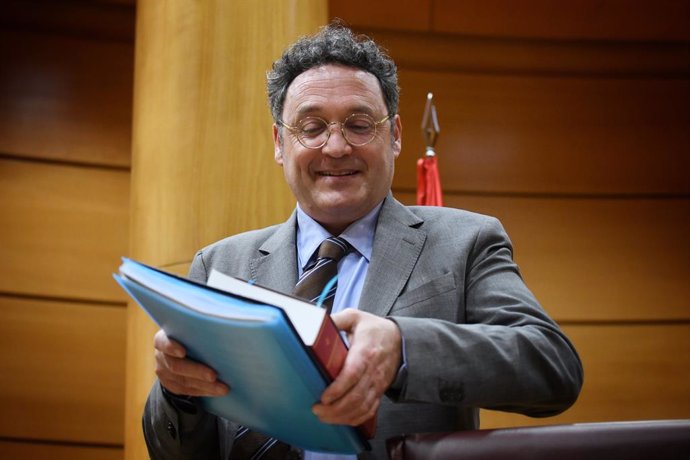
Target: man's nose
[[336, 145]]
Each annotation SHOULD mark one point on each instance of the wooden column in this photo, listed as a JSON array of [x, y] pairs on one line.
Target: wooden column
[[202, 165]]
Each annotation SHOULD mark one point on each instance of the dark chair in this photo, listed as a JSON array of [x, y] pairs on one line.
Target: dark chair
[[648, 440]]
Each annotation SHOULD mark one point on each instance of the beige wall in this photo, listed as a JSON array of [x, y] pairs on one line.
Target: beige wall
[[571, 125]]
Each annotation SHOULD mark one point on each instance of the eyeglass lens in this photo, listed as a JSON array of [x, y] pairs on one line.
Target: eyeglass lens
[[358, 129]]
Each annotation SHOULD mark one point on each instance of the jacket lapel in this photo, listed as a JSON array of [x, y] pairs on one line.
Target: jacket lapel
[[397, 246], [276, 266]]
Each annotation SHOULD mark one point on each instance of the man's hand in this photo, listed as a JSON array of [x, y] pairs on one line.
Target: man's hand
[[370, 368], [183, 376]]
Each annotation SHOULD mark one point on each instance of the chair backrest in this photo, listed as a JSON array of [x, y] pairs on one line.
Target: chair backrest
[[662, 439]]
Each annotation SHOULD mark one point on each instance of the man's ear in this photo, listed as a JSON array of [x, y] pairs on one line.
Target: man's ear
[[397, 136], [277, 145]]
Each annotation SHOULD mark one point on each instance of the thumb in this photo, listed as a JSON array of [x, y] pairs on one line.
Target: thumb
[[346, 320]]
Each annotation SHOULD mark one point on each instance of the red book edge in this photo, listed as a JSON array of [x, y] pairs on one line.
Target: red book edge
[[330, 351]]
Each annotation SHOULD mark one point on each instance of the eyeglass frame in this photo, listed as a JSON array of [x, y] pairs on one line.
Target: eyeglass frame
[[295, 129]]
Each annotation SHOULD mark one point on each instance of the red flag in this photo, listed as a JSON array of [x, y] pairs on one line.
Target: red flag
[[428, 182]]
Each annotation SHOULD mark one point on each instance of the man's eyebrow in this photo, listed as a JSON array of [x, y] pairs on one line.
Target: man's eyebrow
[[311, 109], [307, 109], [362, 109]]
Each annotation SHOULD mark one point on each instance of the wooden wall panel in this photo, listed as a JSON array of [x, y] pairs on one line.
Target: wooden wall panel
[[203, 150], [632, 372], [27, 451], [553, 135], [63, 229], [66, 98], [453, 53], [647, 20], [594, 259], [399, 14], [96, 19], [580, 20], [63, 371]]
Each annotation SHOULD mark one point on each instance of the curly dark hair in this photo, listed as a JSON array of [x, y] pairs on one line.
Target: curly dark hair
[[333, 44]]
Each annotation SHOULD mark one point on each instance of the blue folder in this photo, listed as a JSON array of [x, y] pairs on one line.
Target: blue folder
[[254, 348]]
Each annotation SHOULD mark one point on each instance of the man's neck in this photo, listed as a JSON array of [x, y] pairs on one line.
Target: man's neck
[[335, 229]]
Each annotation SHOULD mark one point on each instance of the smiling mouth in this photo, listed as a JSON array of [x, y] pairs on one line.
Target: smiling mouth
[[337, 173]]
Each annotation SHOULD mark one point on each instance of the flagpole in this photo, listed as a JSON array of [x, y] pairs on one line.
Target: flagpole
[[430, 127], [428, 181]]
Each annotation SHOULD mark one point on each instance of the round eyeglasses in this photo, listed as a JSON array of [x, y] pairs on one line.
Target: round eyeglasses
[[313, 132]]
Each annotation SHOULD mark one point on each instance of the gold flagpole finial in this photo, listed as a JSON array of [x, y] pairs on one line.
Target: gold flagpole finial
[[430, 128]]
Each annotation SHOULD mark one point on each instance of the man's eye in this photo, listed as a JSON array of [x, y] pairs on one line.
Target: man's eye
[[359, 127], [312, 128]]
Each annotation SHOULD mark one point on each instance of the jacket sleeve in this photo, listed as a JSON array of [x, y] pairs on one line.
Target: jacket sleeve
[[172, 434], [501, 352]]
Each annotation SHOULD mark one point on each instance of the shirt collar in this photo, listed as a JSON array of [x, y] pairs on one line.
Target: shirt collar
[[360, 234]]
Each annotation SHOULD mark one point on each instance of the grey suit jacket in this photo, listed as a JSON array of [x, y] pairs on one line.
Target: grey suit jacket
[[475, 336]]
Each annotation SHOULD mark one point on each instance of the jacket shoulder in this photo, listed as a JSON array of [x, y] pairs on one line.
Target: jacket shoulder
[[246, 241], [441, 217], [230, 255]]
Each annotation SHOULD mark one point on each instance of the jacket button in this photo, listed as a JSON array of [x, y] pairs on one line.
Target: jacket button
[[171, 430]]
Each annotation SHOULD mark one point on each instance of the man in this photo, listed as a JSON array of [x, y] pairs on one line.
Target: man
[[439, 320]]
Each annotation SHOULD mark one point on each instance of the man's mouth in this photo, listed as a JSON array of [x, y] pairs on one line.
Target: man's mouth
[[337, 173]]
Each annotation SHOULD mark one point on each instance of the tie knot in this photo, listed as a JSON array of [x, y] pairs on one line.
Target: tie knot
[[333, 248]]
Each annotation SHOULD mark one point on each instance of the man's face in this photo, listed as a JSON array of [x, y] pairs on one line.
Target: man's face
[[337, 183]]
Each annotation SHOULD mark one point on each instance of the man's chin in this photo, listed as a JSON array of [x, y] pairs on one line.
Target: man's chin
[[333, 202], [338, 211]]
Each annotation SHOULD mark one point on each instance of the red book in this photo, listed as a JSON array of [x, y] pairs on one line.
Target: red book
[[330, 351]]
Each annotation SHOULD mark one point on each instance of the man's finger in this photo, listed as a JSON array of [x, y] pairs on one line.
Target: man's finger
[[345, 320], [357, 406], [190, 387], [168, 346], [351, 374], [185, 368]]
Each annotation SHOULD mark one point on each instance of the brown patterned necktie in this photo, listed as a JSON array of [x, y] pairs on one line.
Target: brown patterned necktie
[[321, 271], [251, 445]]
